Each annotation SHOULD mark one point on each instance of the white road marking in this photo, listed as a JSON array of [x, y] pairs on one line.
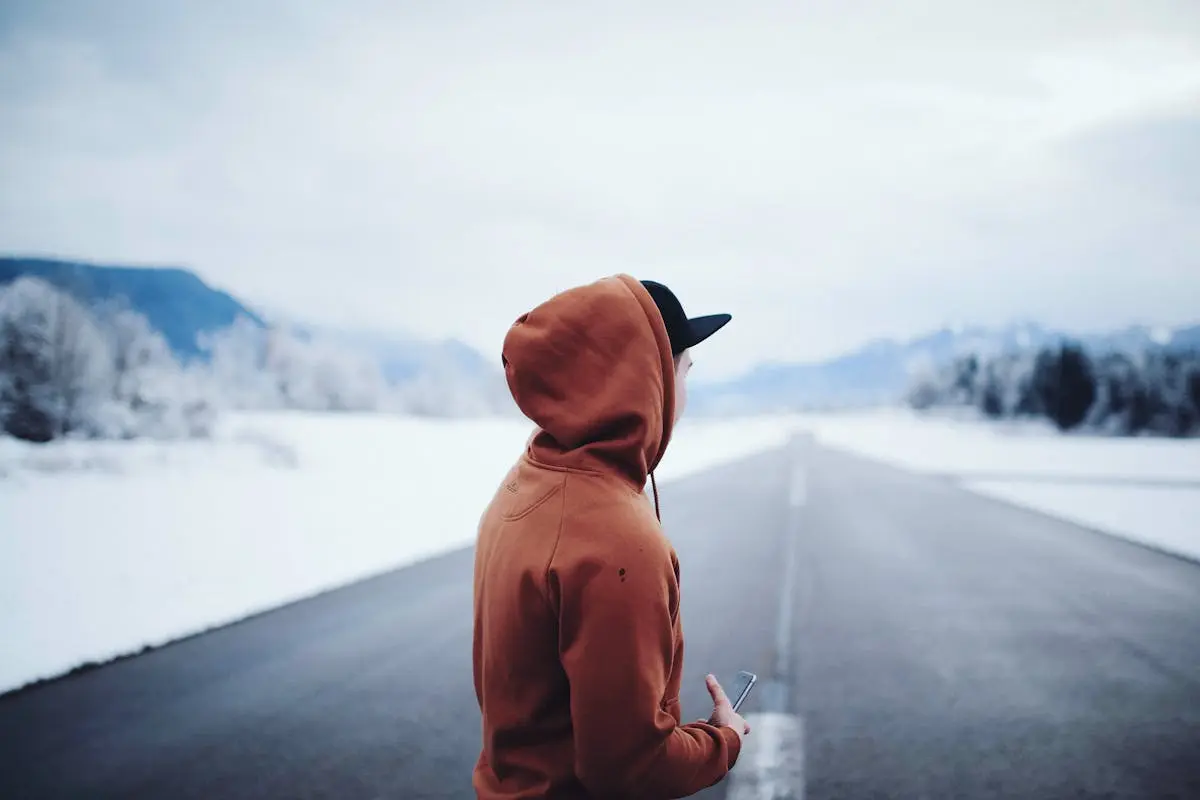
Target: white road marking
[[771, 764], [799, 493]]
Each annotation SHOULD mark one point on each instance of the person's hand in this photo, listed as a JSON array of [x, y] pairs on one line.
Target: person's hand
[[723, 713]]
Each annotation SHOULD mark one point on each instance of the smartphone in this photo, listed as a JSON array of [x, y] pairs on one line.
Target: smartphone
[[740, 689]]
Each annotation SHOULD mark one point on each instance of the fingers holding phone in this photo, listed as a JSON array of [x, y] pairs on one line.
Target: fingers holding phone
[[725, 711]]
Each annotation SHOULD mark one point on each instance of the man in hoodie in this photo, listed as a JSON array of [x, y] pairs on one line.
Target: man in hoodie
[[578, 641]]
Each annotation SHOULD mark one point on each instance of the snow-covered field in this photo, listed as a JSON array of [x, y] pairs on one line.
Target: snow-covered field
[[967, 447], [109, 546]]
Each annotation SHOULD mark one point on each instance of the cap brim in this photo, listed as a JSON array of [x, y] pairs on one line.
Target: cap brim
[[703, 327]]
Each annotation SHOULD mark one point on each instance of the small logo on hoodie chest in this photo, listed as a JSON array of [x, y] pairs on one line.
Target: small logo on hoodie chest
[[511, 486]]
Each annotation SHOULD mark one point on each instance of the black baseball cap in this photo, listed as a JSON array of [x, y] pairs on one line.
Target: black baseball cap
[[683, 331]]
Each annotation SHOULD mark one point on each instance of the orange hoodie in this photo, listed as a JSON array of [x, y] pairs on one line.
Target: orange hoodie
[[578, 643]]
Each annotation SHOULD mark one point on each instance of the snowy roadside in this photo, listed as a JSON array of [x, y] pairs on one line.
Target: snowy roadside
[[967, 448], [110, 546], [1102, 483]]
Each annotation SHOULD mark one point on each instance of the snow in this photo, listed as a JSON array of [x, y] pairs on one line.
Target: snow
[[1088, 480], [113, 545], [109, 546], [967, 447]]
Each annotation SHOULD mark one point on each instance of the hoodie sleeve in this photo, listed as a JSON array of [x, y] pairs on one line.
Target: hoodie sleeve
[[616, 640]]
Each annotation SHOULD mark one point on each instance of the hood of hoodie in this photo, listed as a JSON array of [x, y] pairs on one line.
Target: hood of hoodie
[[592, 368]]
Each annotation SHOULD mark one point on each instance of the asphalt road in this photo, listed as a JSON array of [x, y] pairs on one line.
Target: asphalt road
[[943, 645]]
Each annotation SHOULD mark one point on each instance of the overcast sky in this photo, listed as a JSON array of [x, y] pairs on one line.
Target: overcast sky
[[826, 172]]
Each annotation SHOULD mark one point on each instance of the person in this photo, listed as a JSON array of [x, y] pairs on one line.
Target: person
[[578, 639]]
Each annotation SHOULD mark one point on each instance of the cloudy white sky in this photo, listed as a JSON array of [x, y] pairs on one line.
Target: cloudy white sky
[[827, 172]]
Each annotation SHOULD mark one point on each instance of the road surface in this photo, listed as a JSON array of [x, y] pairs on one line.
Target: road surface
[[936, 644]]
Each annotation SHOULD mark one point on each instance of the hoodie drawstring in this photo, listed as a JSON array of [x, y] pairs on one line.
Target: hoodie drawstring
[[654, 486]]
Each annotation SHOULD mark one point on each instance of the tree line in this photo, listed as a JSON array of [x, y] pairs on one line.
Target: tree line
[[1152, 391], [101, 371]]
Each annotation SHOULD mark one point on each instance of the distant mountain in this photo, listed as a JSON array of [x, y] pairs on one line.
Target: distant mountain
[[880, 372], [174, 301]]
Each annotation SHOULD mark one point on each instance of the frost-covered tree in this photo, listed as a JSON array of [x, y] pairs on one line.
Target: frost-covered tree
[[69, 370], [1152, 390], [152, 393], [318, 375], [443, 388], [256, 368], [1170, 374], [24, 374], [142, 359], [55, 359], [1122, 396], [237, 366]]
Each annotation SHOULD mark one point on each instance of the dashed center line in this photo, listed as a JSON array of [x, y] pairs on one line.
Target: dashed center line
[[799, 493], [771, 765]]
